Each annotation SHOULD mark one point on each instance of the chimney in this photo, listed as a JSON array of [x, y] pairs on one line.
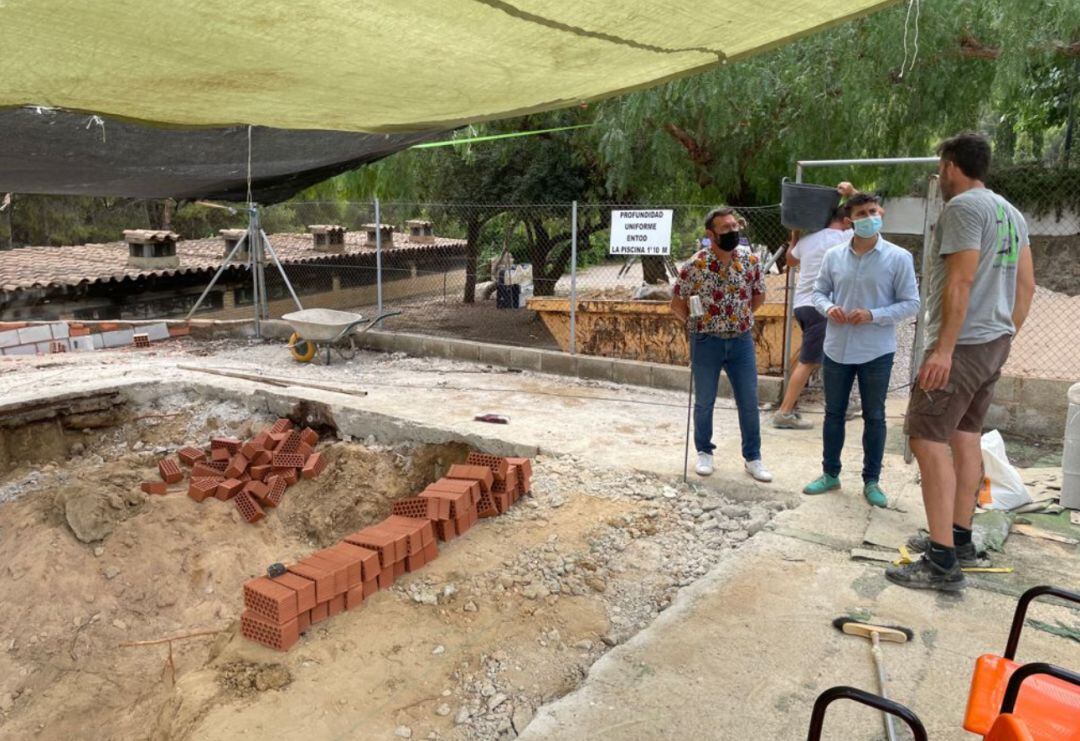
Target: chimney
[[151, 249], [386, 230], [231, 237], [327, 237], [420, 231]]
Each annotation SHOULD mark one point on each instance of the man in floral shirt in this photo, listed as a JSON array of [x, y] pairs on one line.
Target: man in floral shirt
[[731, 284]]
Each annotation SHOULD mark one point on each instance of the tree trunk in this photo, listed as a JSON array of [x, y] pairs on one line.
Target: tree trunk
[[653, 269], [472, 252]]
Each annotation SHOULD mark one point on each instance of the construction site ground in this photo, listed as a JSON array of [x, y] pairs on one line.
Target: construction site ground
[[615, 602]]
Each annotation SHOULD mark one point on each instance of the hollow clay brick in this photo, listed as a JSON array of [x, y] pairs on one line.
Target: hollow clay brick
[[154, 487], [170, 471], [382, 542], [369, 559], [200, 489], [238, 464], [289, 474], [354, 597], [324, 580], [190, 456], [313, 466], [336, 606], [411, 533], [277, 488], [415, 563], [288, 460], [445, 530], [270, 600], [431, 552], [370, 587], [472, 488], [523, 463], [399, 569], [289, 444], [220, 454], [249, 449], [248, 507], [261, 439], [303, 622], [259, 473], [218, 466], [448, 503], [309, 436], [353, 564], [304, 588], [386, 578], [320, 612], [229, 443], [281, 425], [481, 474], [282, 637], [257, 490], [304, 449], [262, 458], [276, 439], [497, 465], [339, 570], [421, 507]]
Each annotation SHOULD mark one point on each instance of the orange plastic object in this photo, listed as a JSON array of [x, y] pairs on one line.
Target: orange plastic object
[[1008, 727], [1049, 707]]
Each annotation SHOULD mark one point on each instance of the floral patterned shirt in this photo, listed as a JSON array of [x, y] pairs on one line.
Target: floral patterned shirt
[[725, 290]]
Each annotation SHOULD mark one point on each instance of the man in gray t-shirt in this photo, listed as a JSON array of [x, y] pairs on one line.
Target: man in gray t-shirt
[[980, 284]]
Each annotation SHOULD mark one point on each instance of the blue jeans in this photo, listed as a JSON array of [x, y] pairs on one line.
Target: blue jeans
[[873, 377], [709, 355]]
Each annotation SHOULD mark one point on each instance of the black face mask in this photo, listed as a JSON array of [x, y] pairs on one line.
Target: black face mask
[[728, 242]]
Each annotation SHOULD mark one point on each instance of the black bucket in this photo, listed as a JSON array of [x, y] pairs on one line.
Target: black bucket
[[806, 206]]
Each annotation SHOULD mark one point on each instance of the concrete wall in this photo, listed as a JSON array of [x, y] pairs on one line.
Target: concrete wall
[[1035, 407]]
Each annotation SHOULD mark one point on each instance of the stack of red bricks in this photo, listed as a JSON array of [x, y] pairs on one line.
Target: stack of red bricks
[[254, 473], [339, 578]]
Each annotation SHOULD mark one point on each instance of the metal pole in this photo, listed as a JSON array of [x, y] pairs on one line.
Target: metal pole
[[573, 277], [789, 299], [933, 212], [253, 252], [882, 161], [264, 299], [378, 257], [225, 263], [281, 269]]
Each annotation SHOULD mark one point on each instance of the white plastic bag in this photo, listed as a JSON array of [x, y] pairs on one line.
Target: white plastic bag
[[1007, 488]]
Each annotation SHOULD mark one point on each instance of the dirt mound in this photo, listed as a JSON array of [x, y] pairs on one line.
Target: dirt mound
[[244, 678]]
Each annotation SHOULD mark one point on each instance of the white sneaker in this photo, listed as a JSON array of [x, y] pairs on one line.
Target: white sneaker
[[704, 464], [758, 471]]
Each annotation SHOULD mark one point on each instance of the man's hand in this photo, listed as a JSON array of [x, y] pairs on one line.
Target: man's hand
[[837, 315], [846, 189], [860, 316], [935, 370]]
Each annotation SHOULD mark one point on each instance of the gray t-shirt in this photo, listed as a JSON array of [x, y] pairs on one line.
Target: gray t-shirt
[[978, 219]]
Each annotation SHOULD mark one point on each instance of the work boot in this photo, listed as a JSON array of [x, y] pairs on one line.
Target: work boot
[[704, 464], [874, 495], [822, 484], [968, 557], [925, 574], [790, 421]]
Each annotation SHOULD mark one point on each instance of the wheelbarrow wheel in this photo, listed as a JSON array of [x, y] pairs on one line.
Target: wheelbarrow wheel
[[346, 348], [302, 350]]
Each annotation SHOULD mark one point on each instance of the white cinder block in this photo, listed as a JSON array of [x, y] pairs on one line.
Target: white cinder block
[[156, 332], [118, 338], [34, 333], [10, 338], [20, 350], [84, 343], [59, 330], [96, 339]]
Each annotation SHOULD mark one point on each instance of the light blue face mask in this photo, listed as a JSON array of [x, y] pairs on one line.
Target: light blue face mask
[[867, 227]]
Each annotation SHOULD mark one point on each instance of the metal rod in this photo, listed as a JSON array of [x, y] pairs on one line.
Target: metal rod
[[881, 161], [225, 263], [253, 252], [378, 257], [573, 278], [689, 408], [264, 303], [281, 269], [789, 311]]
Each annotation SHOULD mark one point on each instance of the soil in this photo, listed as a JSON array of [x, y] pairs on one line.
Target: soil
[[508, 617]]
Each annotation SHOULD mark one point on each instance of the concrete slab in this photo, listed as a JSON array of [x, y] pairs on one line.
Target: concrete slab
[[34, 333], [601, 369]]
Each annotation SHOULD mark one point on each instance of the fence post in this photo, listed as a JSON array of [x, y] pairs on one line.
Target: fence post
[[253, 262], [378, 257], [789, 311], [573, 277]]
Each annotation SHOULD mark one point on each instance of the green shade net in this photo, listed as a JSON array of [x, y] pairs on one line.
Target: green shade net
[[373, 65]]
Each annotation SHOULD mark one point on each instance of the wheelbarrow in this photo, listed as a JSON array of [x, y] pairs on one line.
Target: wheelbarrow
[[315, 329]]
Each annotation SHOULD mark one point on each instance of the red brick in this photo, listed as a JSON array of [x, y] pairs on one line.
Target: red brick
[[497, 465], [354, 597], [502, 501], [218, 466], [220, 454], [481, 474], [338, 569], [462, 524], [5, 326], [262, 458], [289, 474], [415, 563], [425, 508], [259, 473], [277, 487], [445, 530], [304, 588], [257, 490], [369, 559], [376, 539], [249, 449], [282, 637], [399, 569], [228, 443], [385, 579], [190, 456], [249, 508], [320, 612], [487, 506], [314, 465], [228, 489], [303, 622], [276, 439], [309, 436], [370, 587], [270, 600], [324, 580], [179, 331], [238, 464], [410, 529], [289, 444], [304, 449], [289, 460], [524, 473], [353, 564], [282, 425], [78, 331], [431, 552], [170, 471], [154, 487], [449, 503], [472, 488], [336, 606], [200, 489]]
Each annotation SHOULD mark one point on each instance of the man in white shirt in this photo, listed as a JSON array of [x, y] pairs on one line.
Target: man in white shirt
[[807, 256]]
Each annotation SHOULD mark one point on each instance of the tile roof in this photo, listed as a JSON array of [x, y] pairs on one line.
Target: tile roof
[[30, 267]]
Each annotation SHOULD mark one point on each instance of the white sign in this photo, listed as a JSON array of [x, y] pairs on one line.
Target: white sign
[[641, 232]]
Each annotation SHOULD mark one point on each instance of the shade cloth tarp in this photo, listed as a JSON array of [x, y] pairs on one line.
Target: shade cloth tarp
[[373, 65]]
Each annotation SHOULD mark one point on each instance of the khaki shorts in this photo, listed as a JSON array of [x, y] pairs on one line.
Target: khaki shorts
[[963, 403]]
